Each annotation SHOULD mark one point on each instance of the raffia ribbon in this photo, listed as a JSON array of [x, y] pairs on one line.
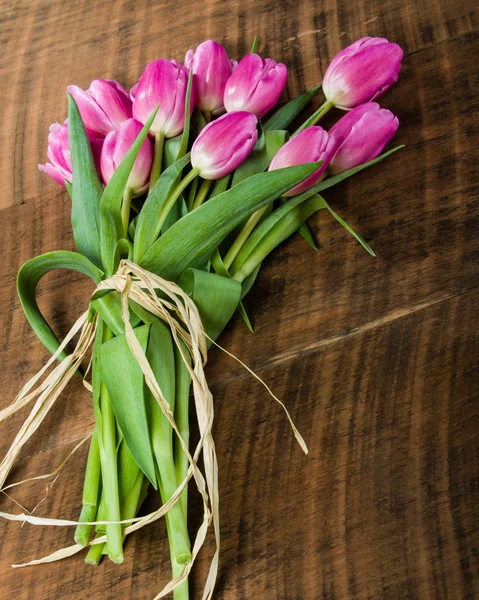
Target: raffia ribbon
[[133, 282]]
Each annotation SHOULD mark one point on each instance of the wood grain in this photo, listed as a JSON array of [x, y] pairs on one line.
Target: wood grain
[[377, 359]]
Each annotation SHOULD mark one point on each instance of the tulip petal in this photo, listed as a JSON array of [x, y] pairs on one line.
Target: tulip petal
[[94, 118], [114, 100]]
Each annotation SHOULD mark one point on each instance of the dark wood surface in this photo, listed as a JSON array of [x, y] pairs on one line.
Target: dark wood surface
[[376, 358]]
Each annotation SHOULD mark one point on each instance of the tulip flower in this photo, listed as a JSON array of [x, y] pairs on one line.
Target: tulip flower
[[362, 72], [311, 145], [255, 85], [224, 144], [103, 106], [211, 70], [116, 145], [163, 83], [60, 165], [361, 135]]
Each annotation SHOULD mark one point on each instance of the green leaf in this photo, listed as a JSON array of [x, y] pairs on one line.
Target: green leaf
[[220, 186], [220, 269], [111, 224], [132, 227], [178, 211], [261, 156], [198, 122], [216, 298], [248, 282], [349, 229], [86, 188], [254, 46], [186, 129], [124, 381], [162, 361], [109, 309], [335, 179], [283, 117], [281, 224], [147, 229], [29, 276], [127, 471], [170, 150], [305, 232], [191, 241]]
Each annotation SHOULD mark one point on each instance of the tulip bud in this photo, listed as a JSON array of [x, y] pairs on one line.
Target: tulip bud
[[60, 165], [361, 135], [163, 83], [255, 85], [211, 70], [103, 106], [362, 72], [311, 145], [116, 145], [224, 144]]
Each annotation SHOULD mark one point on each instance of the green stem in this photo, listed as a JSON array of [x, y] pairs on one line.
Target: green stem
[[94, 555], [181, 592], [192, 194], [178, 532], [314, 118], [157, 159], [243, 236], [110, 477], [125, 209], [182, 402], [109, 470], [173, 197], [91, 487], [202, 193], [130, 505]]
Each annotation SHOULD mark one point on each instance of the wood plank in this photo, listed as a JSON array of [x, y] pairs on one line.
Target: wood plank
[[385, 505], [376, 358]]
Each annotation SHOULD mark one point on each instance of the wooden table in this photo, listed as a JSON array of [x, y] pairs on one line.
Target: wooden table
[[375, 358]]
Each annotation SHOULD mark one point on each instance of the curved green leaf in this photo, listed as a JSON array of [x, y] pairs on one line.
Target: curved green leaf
[[86, 188], [191, 241], [283, 117], [29, 276]]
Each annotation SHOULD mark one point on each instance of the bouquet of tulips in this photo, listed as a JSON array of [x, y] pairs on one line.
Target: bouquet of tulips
[[179, 190]]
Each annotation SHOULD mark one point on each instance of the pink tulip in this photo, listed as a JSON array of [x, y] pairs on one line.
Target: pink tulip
[[311, 145], [116, 145], [362, 72], [163, 83], [224, 144], [103, 106], [60, 165], [361, 135], [255, 85], [211, 70]]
